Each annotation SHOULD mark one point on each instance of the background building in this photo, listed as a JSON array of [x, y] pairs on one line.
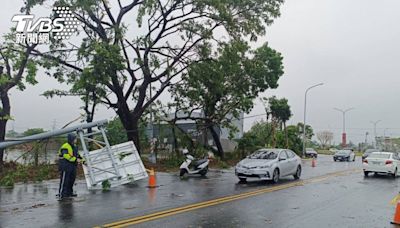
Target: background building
[[163, 131]]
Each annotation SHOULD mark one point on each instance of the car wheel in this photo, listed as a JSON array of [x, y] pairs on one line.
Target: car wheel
[[334, 160], [242, 180], [394, 175], [366, 173], [275, 176], [298, 173]]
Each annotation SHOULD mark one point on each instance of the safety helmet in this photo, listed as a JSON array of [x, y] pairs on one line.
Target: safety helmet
[[71, 137]]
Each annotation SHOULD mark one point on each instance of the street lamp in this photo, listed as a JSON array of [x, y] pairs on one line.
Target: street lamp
[[385, 139], [375, 123], [344, 124], [366, 138], [305, 112]]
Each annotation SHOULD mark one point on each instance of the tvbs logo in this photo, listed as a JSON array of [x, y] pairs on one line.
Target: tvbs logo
[[60, 27]]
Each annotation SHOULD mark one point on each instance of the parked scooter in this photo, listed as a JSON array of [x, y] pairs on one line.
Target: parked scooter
[[190, 166]]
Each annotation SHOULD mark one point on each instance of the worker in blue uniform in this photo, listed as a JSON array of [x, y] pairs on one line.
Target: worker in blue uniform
[[69, 159]]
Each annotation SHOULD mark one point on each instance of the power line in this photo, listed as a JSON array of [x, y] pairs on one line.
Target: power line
[[246, 117]]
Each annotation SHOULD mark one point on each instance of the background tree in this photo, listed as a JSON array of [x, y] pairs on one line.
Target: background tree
[[227, 85], [128, 57], [37, 147], [257, 137], [116, 133], [12, 134], [84, 88], [17, 67], [281, 113], [247, 143], [291, 139], [325, 138], [309, 130]]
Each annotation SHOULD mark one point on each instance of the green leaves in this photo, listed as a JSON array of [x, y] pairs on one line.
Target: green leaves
[[120, 57], [226, 86], [18, 65], [31, 69], [116, 132], [279, 108], [242, 17], [6, 117], [230, 83], [4, 80], [33, 131], [260, 135]]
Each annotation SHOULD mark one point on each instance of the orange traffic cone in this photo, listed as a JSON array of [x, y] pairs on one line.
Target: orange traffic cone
[[396, 219], [152, 179], [313, 163]]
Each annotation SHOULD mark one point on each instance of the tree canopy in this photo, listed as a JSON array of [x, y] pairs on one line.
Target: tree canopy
[[131, 47], [224, 87], [259, 137]]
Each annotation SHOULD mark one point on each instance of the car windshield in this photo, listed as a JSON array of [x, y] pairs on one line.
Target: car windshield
[[380, 155], [264, 154], [340, 152], [370, 151]]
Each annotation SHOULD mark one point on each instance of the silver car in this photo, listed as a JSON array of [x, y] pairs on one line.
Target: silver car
[[269, 164]]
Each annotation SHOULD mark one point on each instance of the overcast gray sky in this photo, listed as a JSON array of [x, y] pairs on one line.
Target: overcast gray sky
[[351, 46]]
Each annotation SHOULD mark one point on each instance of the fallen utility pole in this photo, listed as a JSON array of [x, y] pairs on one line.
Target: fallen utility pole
[[50, 134], [117, 164]]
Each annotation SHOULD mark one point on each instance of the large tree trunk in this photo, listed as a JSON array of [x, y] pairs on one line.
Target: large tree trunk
[[130, 123], [4, 115], [216, 139], [2, 137], [131, 126], [134, 134]]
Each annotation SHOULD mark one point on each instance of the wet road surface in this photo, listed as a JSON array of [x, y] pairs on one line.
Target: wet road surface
[[329, 195]]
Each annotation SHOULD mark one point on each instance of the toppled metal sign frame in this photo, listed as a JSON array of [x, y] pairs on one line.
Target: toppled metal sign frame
[[127, 160], [118, 164]]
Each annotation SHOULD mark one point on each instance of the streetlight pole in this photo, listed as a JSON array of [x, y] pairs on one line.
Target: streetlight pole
[[366, 138], [305, 112], [384, 138], [375, 123], [344, 124]]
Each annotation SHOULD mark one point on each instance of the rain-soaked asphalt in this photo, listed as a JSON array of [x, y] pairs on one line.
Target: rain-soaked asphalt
[[345, 199]]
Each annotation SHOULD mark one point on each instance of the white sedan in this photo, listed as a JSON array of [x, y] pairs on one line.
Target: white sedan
[[382, 162], [269, 164]]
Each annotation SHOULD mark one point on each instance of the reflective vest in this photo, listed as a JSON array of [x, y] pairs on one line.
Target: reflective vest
[[66, 152]]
